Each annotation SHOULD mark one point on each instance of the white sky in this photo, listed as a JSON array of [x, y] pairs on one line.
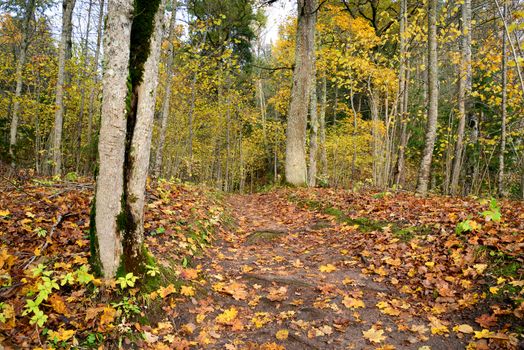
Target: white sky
[[276, 14]]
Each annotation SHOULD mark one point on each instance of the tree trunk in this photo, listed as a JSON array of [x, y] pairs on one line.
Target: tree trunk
[[125, 134], [295, 164], [91, 154], [463, 94], [82, 77], [20, 64], [65, 39], [164, 116], [504, 71], [313, 135], [403, 85], [111, 145], [431, 128], [322, 120], [138, 148]]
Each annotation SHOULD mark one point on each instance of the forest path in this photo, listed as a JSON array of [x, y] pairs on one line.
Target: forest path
[[287, 277]]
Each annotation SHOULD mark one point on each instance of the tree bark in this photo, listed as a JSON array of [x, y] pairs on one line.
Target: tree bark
[[313, 135], [463, 94], [132, 49], [91, 154], [431, 127], [322, 120], [65, 39], [295, 163], [20, 64], [111, 146], [166, 101], [504, 71]]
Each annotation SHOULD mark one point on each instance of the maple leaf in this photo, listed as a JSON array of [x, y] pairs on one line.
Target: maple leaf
[[282, 334], [227, 317], [374, 335], [353, 303], [260, 319], [188, 291], [277, 294], [327, 268], [61, 335]]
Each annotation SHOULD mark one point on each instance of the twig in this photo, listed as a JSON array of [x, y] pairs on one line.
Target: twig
[[44, 246]]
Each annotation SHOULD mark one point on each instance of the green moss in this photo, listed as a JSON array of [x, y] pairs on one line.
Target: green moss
[[142, 30], [94, 259]]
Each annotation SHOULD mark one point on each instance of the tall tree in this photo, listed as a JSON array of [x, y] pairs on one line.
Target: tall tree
[[295, 165], [432, 115], [166, 99], [464, 92], [504, 107], [313, 135], [65, 42], [22, 55], [131, 45]]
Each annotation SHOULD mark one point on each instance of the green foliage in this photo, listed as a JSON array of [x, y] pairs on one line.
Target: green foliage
[[493, 214], [127, 281]]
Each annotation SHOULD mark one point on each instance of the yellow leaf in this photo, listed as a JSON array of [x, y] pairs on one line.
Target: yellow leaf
[[463, 328], [282, 334], [484, 334], [61, 334], [4, 213], [327, 268], [374, 335], [188, 291], [494, 290], [227, 317], [353, 303], [480, 268]]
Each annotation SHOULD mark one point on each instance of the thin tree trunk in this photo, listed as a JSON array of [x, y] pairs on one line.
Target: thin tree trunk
[[504, 109], [164, 116], [65, 39], [403, 85], [20, 64], [463, 93], [313, 136], [431, 128], [82, 77], [295, 164], [322, 120], [91, 154]]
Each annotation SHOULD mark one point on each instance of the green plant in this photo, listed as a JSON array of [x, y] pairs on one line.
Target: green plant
[[493, 214], [40, 232], [128, 306], [467, 225], [127, 280]]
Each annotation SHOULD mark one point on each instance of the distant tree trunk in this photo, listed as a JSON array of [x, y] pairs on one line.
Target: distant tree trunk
[[91, 149], [504, 71], [403, 84], [65, 39], [313, 135], [166, 100], [82, 77], [322, 120], [431, 128], [20, 64], [463, 93], [295, 164], [132, 50]]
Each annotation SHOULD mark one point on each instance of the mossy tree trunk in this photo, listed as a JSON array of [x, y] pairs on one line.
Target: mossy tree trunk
[[132, 49]]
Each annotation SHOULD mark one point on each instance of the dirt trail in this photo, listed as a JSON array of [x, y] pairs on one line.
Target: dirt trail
[[289, 269]]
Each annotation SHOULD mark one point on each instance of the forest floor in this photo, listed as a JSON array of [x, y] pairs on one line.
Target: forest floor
[[287, 269]]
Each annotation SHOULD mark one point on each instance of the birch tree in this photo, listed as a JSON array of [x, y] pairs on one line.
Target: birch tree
[[131, 46], [295, 164], [431, 127]]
